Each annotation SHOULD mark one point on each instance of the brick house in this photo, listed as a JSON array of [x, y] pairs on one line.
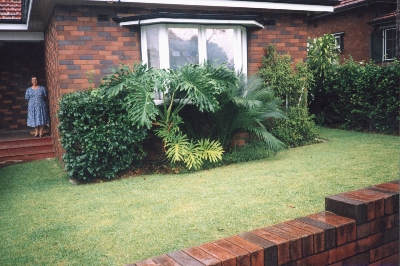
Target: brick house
[[364, 29], [62, 41]]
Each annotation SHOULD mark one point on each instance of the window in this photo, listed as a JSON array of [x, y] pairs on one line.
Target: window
[[173, 45], [389, 44], [383, 44], [339, 41]]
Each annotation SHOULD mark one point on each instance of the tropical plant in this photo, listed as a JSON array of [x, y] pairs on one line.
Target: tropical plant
[[195, 84], [245, 108]]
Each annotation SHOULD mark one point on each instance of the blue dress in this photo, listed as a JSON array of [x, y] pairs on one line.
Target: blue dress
[[38, 114]]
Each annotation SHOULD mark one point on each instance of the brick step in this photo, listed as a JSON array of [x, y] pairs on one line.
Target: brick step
[[28, 157], [26, 142], [26, 149]]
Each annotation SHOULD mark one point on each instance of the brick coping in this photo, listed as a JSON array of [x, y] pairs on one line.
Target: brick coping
[[359, 227]]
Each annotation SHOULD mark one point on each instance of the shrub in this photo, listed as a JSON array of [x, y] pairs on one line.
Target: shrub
[[299, 129], [363, 96], [98, 138], [288, 84], [254, 150], [291, 85]]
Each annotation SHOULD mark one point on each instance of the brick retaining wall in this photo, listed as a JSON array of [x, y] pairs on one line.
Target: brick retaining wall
[[359, 227]]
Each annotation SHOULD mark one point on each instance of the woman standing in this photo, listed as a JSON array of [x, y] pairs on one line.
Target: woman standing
[[38, 114]]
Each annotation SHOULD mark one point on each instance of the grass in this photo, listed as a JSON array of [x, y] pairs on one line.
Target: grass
[[47, 221]]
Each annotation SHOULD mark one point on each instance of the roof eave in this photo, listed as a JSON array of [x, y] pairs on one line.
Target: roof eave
[[233, 4]]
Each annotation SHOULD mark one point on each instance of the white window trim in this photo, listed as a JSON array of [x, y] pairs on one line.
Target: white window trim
[[240, 51], [384, 58], [250, 23], [339, 39]]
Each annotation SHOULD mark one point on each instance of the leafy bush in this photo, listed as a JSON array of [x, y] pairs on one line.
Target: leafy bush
[[98, 138], [254, 150], [291, 85], [288, 84], [299, 129], [363, 96]]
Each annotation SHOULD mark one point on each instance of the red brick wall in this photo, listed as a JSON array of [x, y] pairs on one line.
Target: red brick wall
[[85, 45], [359, 227], [51, 62], [356, 31], [289, 35], [76, 44], [19, 61]]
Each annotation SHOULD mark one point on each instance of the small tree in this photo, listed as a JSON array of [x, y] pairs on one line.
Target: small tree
[[323, 57], [291, 85]]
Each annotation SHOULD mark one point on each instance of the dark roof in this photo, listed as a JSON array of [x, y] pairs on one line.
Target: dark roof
[[301, 2], [349, 4], [389, 17]]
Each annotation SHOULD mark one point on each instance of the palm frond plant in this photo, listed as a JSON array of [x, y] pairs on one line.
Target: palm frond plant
[[198, 85], [245, 108]]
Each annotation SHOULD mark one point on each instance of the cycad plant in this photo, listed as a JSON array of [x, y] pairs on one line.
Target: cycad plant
[[244, 108], [198, 85]]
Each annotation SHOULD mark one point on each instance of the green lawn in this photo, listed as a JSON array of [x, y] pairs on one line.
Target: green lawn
[[47, 221]]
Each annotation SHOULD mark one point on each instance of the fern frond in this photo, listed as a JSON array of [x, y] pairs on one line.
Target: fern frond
[[267, 137]]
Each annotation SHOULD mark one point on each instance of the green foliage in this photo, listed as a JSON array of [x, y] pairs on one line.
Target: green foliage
[[195, 84], [98, 138], [363, 96], [299, 129], [136, 87], [288, 84], [323, 54], [352, 95], [255, 150], [242, 108], [323, 57], [291, 86], [179, 148]]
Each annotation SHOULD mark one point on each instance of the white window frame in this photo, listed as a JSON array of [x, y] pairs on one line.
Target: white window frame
[[384, 53], [339, 40], [239, 45]]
